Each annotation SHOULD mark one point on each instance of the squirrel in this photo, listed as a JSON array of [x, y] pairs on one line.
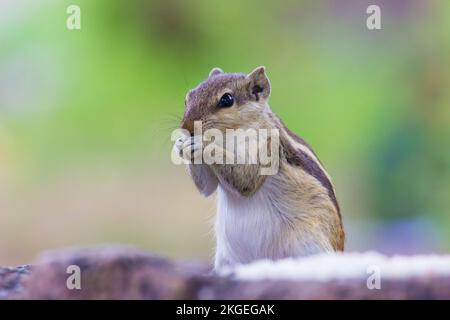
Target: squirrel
[[292, 213]]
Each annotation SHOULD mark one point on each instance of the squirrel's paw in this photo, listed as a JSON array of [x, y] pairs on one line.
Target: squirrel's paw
[[178, 146], [189, 148]]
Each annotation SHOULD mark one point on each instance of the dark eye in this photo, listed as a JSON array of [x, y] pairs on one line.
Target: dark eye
[[227, 100]]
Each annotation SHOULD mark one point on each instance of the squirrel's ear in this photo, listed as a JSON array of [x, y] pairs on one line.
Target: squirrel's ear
[[214, 72], [259, 85]]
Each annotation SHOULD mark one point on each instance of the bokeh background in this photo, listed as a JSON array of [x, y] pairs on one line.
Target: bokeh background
[[86, 116]]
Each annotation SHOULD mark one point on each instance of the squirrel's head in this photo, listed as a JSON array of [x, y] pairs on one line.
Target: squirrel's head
[[227, 100]]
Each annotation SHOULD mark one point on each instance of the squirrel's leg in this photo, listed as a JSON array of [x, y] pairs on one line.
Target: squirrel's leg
[[242, 178], [204, 179], [245, 179]]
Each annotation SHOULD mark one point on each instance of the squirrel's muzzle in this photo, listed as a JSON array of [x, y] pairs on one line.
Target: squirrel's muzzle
[[188, 124]]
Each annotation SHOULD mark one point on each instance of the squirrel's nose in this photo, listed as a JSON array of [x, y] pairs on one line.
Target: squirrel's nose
[[188, 125]]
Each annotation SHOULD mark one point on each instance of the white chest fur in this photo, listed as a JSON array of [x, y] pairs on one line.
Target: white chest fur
[[253, 228], [247, 229], [243, 226]]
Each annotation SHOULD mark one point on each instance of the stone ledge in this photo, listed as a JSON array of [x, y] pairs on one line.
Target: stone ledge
[[126, 273]]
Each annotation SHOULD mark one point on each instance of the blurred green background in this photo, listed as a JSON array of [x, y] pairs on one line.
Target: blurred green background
[[86, 116]]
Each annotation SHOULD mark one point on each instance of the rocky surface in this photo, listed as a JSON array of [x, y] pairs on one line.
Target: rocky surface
[[125, 273], [11, 280]]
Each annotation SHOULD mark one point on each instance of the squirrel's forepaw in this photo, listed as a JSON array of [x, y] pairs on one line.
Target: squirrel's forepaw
[[178, 146], [189, 148]]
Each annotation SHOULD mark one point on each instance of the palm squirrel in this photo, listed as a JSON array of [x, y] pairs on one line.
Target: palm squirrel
[[288, 214]]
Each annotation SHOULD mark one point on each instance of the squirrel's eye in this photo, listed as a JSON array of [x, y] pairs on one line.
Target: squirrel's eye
[[227, 100]]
